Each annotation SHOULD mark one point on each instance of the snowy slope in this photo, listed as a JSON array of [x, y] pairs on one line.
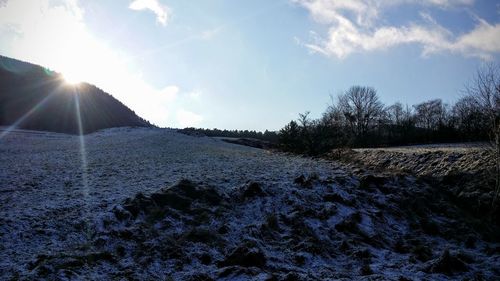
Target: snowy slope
[[120, 209]]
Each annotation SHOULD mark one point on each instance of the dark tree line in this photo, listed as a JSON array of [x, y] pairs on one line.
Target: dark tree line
[[269, 136], [357, 118]]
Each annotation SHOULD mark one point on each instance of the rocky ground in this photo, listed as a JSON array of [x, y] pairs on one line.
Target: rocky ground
[[149, 204]]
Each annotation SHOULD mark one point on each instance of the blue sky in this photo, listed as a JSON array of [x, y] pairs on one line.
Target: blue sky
[[254, 64]]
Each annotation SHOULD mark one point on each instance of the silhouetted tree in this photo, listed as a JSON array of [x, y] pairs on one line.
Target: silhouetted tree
[[290, 138], [395, 114], [266, 136], [485, 92], [358, 118], [361, 108], [430, 114], [469, 120]]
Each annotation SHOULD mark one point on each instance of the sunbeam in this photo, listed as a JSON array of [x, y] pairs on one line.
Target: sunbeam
[[83, 155], [26, 115], [36, 107]]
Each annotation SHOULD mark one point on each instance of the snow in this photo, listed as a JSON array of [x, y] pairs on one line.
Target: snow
[[54, 208]]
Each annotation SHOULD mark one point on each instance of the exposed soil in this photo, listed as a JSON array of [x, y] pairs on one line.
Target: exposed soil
[[465, 171], [161, 205]]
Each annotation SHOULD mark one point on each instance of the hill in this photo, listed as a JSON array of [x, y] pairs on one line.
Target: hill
[[33, 97], [153, 204]]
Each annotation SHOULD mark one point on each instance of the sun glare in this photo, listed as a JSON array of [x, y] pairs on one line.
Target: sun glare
[[71, 78]]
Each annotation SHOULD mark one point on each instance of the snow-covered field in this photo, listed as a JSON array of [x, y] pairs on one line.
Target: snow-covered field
[[114, 205]]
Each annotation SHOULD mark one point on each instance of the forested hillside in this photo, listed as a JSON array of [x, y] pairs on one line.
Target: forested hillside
[[33, 97]]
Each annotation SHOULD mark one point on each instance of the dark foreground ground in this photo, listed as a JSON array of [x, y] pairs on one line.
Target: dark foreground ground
[[151, 204]]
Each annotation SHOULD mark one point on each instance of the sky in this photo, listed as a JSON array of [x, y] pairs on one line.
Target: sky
[[254, 64]]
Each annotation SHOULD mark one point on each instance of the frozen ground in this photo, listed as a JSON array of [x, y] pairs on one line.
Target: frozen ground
[[118, 208], [434, 159]]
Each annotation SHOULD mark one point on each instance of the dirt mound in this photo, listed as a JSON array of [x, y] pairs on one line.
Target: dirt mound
[[185, 196], [369, 227], [447, 264], [421, 161], [466, 172]]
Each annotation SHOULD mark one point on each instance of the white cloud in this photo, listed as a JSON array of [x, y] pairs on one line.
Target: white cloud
[[161, 11], [195, 96], [169, 93], [365, 12], [483, 40], [187, 118], [447, 3], [353, 26], [210, 33], [330, 12]]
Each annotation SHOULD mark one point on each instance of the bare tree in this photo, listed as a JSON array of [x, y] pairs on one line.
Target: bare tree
[[469, 119], [306, 126], [408, 118], [430, 114], [485, 90], [304, 120], [333, 116], [361, 108], [395, 113]]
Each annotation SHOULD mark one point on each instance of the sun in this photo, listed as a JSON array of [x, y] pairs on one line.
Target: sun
[[72, 78]]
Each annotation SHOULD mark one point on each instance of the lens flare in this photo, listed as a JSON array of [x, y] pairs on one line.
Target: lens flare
[[84, 166], [5, 132], [72, 78]]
